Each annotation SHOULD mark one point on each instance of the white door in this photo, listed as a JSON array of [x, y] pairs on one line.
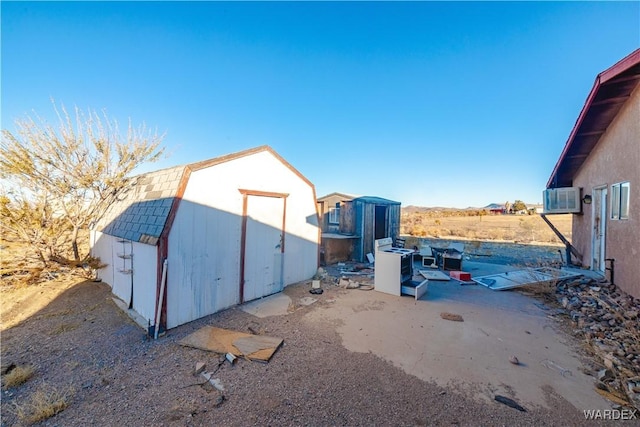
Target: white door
[[122, 262], [599, 229], [264, 250]]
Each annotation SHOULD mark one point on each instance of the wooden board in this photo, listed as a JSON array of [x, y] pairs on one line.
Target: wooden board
[[218, 340], [255, 343]]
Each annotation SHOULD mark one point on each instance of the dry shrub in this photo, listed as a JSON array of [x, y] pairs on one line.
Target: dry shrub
[[44, 403], [18, 375]]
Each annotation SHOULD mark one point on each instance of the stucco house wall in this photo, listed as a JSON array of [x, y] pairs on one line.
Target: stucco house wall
[[615, 159]]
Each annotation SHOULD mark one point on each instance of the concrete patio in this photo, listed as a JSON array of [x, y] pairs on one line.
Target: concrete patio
[[474, 354]]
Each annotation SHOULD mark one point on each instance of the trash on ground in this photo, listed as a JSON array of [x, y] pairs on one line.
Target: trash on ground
[[199, 368], [433, 275], [515, 279], [509, 402], [214, 382], [452, 316], [223, 341], [555, 367], [514, 360], [307, 300]]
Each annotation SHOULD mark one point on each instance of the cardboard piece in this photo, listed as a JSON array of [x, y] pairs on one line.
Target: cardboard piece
[[222, 341]]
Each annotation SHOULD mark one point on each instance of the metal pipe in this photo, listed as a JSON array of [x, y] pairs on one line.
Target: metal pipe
[[160, 300], [610, 268]]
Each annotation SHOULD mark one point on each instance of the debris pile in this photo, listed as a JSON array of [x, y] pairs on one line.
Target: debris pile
[[609, 321]]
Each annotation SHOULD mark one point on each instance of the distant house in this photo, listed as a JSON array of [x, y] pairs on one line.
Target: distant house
[[350, 225], [231, 229], [597, 176], [329, 211]]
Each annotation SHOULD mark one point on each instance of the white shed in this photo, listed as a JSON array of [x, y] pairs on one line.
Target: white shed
[[232, 229]]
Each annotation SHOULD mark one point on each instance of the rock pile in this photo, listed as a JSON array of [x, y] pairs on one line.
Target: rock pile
[[609, 321]]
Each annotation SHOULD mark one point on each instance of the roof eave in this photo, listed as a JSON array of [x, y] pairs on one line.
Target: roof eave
[[607, 76]]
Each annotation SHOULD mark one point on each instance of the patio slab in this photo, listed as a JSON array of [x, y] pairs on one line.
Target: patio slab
[[473, 354]]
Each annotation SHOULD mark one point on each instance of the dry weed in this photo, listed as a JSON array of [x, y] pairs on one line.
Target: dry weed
[[18, 375], [44, 403], [64, 327]]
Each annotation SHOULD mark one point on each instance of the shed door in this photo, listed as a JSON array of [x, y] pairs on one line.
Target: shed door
[[380, 222], [122, 262], [264, 247]]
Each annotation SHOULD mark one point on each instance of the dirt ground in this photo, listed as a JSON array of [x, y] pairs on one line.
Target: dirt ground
[[512, 228], [82, 345]]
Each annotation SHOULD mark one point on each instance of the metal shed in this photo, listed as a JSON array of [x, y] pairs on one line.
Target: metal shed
[[211, 235], [372, 218]]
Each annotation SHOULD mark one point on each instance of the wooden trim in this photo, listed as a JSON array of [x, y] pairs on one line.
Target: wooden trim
[[240, 154], [243, 243], [163, 247], [262, 193], [283, 230], [243, 237]]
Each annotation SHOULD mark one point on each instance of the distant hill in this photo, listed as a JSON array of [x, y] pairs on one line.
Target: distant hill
[[412, 208], [494, 206]]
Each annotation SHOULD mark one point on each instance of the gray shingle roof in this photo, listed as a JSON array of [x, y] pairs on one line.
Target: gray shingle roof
[[143, 208]]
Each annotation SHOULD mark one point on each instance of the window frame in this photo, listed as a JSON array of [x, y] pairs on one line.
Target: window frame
[[620, 197], [334, 214]]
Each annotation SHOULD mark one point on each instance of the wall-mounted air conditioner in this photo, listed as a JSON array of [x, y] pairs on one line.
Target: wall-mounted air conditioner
[[562, 200]]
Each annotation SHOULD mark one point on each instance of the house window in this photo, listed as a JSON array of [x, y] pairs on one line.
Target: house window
[[334, 214], [620, 201]]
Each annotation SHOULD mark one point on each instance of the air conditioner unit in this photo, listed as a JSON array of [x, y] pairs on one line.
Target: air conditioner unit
[[562, 200]]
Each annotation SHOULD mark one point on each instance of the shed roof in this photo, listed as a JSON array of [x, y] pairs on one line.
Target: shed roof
[[610, 91], [142, 209], [145, 208], [375, 200], [344, 196]]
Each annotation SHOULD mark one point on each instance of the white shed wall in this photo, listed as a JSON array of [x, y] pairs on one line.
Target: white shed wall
[[204, 243], [144, 266]]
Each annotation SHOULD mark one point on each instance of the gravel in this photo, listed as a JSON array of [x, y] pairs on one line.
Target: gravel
[[81, 342]]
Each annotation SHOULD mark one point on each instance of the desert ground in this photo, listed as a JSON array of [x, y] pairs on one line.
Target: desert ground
[[88, 363], [92, 361], [530, 229]]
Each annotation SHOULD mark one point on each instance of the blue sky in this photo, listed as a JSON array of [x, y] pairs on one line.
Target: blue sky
[[451, 104]]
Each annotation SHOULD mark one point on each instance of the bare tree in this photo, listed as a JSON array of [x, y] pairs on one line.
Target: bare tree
[[67, 173]]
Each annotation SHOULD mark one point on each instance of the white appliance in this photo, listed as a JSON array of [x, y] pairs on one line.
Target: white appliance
[[393, 267]]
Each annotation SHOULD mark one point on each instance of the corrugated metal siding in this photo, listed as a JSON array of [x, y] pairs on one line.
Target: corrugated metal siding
[[347, 218], [263, 258], [140, 259], [368, 237], [393, 221], [204, 242], [364, 214], [203, 266]]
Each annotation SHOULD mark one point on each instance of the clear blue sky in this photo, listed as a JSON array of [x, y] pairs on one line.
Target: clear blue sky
[[429, 103]]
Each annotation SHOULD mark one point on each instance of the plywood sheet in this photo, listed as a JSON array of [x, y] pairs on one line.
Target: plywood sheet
[[433, 275], [255, 343], [218, 340]]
